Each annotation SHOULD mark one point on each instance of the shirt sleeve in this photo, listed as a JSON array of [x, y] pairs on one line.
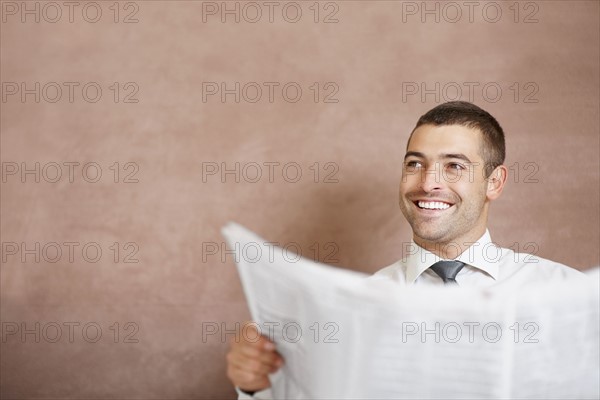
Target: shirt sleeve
[[260, 395]]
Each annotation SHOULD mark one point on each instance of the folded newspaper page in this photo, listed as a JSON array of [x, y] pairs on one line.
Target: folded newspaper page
[[344, 336]]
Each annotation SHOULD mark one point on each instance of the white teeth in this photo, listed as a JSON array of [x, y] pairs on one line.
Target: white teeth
[[433, 205]]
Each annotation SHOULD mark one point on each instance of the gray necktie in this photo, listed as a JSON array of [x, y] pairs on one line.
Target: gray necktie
[[447, 270]]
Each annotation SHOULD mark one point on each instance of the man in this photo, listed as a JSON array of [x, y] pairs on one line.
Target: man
[[453, 169]]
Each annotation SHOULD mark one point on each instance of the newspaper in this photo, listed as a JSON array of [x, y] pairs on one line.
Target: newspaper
[[344, 336]]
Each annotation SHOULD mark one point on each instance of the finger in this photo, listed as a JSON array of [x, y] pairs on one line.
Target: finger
[[247, 380], [252, 336], [253, 346], [271, 358], [262, 365]]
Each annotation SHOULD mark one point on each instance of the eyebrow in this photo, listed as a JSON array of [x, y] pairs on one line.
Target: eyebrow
[[418, 154], [414, 154]]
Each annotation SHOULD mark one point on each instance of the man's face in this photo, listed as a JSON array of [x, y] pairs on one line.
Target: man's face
[[443, 191]]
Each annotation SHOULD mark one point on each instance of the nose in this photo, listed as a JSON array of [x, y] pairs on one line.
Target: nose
[[431, 179]]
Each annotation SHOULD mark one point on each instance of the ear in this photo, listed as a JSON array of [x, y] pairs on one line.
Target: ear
[[496, 182]]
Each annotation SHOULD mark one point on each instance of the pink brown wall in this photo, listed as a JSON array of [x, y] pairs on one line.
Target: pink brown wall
[[146, 95]]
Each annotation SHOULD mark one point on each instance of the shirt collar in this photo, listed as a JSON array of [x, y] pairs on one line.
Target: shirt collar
[[477, 255]]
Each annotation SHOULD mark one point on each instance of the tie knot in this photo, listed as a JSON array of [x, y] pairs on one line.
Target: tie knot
[[447, 270]]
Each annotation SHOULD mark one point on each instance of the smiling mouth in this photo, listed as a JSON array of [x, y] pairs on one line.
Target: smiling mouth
[[432, 205]]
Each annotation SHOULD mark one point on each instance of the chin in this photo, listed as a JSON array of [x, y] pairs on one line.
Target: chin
[[431, 234]]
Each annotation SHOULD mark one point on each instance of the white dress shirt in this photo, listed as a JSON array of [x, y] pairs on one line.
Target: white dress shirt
[[486, 266]]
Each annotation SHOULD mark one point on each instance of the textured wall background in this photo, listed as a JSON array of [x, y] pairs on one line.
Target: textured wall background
[[376, 64]]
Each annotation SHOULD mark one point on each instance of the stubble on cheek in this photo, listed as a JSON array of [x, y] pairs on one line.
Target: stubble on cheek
[[431, 228]]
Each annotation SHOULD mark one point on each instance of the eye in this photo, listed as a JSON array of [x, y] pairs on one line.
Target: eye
[[455, 166], [413, 164]]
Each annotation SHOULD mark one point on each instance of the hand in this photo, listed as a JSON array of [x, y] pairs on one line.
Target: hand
[[250, 360]]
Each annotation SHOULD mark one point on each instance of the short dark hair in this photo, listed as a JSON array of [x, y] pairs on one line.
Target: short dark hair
[[463, 113]]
